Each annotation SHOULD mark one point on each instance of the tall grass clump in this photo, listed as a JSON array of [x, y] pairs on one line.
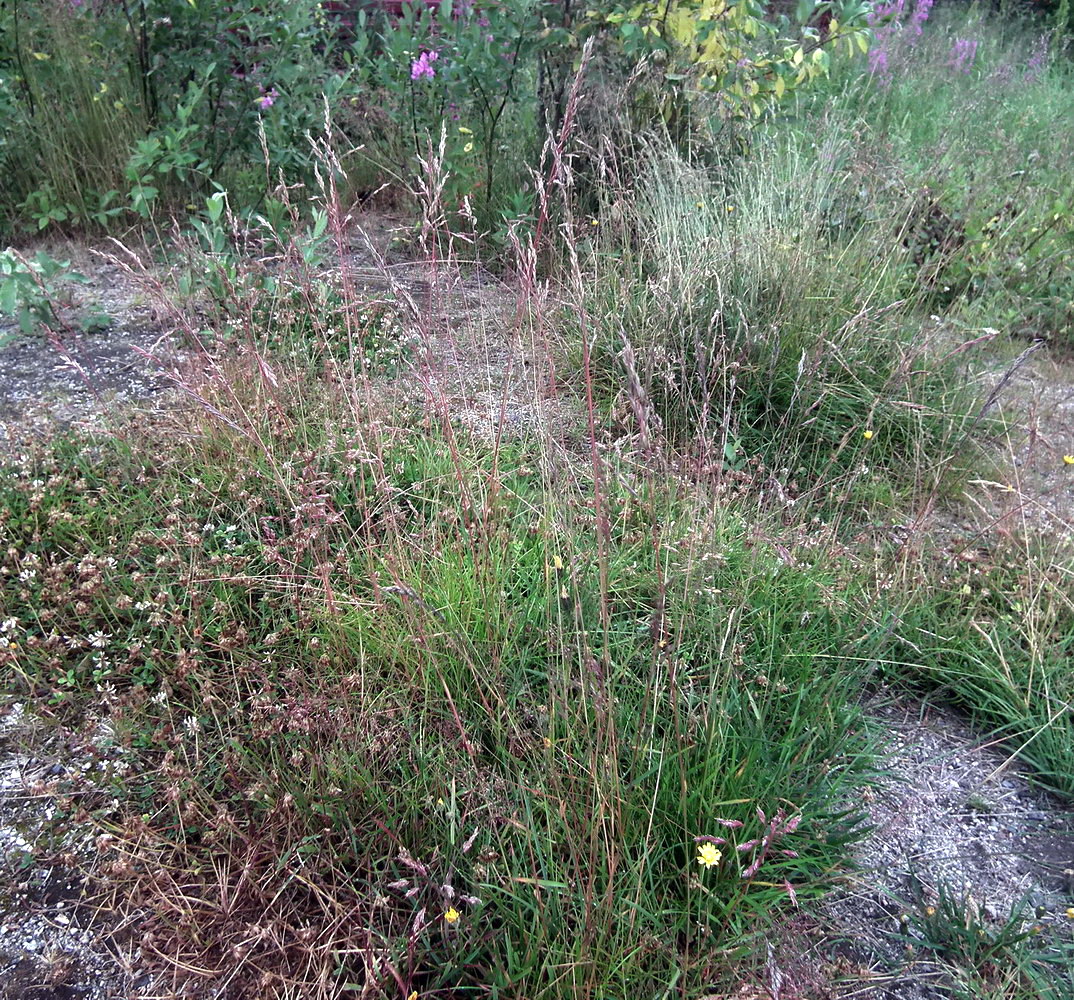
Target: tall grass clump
[[985, 226], [120, 114], [72, 114], [768, 324], [394, 701], [992, 629]]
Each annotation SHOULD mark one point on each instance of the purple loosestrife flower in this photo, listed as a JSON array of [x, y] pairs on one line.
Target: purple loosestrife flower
[[267, 98], [892, 29], [963, 53], [881, 11], [1038, 60], [423, 66], [919, 16], [884, 19]]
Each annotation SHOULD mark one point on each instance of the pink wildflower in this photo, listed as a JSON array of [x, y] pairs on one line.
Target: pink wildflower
[[423, 66]]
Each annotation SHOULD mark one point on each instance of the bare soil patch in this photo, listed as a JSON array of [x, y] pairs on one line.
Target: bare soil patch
[[70, 378], [1031, 487], [955, 814], [50, 946]]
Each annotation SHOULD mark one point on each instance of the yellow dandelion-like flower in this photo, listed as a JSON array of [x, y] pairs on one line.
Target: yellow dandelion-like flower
[[730, 208], [1068, 459], [868, 435], [708, 855], [594, 222], [451, 915], [1070, 912]]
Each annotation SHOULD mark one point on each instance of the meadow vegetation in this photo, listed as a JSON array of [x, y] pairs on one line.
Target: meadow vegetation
[[399, 706]]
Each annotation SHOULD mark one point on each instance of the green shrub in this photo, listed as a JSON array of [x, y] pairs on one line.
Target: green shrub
[[119, 107]]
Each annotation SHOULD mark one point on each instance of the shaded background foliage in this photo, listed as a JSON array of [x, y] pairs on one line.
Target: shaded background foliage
[[122, 109]]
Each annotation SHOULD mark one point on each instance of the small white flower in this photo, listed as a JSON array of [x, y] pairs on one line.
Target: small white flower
[[191, 724], [27, 575], [9, 625], [99, 640]]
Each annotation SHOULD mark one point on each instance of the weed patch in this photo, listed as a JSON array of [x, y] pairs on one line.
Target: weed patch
[[399, 723]]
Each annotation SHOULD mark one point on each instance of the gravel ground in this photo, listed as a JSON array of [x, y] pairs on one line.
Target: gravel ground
[[954, 815], [1032, 486], [49, 949], [76, 379]]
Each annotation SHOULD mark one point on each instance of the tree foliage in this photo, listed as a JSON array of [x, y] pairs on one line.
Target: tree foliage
[[741, 51]]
